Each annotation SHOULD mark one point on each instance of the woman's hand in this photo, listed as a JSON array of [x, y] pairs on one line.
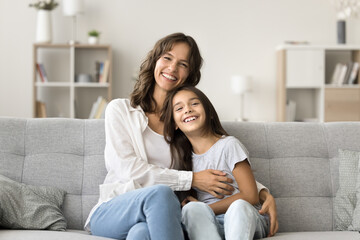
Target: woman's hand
[[187, 200], [269, 207], [213, 182]]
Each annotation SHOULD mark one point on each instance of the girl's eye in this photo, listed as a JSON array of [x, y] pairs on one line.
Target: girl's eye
[[184, 65], [178, 109], [195, 103]]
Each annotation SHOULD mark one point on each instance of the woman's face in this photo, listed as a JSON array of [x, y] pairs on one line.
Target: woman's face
[[172, 68], [188, 112]]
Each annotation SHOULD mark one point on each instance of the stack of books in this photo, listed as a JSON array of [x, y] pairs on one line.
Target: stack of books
[[98, 108], [345, 73]]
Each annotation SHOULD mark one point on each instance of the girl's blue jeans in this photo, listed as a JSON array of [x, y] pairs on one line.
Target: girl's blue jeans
[[147, 213], [241, 221]]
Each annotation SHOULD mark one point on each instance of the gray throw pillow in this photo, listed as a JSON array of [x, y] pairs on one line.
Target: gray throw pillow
[[30, 207], [355, 224], [345, 199]]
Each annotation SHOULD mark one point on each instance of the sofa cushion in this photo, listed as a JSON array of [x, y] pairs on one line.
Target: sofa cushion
[[48, 235], [345, 199], [30, 207]]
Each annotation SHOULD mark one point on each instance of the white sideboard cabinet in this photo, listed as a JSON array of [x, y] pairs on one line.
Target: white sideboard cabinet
[[306, 90], [72, 84]]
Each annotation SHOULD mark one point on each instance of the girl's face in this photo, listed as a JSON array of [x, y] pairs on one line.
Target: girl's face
[[188, 111], [172, 68]]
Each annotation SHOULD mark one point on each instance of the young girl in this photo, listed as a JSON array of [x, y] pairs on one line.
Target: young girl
[[198, 142]]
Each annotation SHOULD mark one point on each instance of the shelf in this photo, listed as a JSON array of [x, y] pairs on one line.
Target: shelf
[[303, 87], [61, 96], [52, 84], [96, 85], [342, 86], [68, 84], [304, 76]]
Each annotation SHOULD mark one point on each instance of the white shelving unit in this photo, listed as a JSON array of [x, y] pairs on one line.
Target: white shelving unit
[[303, 77], [62, 95]]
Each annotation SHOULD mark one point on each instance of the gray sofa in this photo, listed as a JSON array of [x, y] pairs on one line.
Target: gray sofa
[[296, 161]]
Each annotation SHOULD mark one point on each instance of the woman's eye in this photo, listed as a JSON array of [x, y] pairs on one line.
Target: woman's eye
[[184, 65]]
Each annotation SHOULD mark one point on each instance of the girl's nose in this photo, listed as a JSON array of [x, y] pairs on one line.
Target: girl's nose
[[188, 110]]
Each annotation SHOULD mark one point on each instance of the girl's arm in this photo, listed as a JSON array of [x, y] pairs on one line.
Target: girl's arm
[[247, 187]]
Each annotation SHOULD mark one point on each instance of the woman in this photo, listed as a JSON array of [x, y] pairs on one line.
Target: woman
[[137, 200]]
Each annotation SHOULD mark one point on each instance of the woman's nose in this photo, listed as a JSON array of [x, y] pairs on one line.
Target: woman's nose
[[173, 66]]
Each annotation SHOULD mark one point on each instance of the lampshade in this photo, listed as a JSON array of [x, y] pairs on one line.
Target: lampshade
[[240, 84], [73, 7]]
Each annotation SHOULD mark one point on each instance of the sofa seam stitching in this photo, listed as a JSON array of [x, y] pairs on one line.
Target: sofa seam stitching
[[267, 150], [23, 165], [83, 171], [331, 179]]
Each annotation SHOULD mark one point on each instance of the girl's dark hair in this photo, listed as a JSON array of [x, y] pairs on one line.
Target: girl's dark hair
[[142, 95], [180, 146]]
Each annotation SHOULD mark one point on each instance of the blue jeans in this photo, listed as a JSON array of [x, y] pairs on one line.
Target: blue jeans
[[241, 221], [148, 213]]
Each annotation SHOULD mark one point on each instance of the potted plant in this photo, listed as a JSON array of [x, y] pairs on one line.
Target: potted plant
[[93, 37], [44, 5], [43, 24]]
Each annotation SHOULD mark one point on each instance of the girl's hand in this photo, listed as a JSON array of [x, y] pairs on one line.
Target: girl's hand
[[188, 199], [213, 182], [269, 207]]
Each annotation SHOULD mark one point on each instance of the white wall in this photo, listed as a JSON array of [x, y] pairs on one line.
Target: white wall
[[234, 36]]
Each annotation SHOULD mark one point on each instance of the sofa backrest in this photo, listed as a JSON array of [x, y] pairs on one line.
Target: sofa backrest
[[296, 161], [66, 153]]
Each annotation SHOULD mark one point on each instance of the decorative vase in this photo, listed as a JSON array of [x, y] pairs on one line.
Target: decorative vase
[[43, 26], [341, 32], [93, 40]]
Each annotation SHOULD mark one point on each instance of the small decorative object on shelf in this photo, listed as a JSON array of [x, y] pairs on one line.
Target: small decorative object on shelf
[[43, 25], [345, 9], [72, 8], [93, 37]]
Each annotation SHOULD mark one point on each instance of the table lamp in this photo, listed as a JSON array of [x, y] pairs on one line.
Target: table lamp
[[241, 84], [72, 8]]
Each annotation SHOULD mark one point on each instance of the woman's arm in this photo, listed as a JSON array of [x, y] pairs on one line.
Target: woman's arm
[[125, 155], [247, 187]]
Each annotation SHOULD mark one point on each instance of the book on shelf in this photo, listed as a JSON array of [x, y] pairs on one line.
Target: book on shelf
[[353, 73], [40, 109], [336, 73], [342, 75], [42, 73], [98, 108], [102, 71], [105, 73]]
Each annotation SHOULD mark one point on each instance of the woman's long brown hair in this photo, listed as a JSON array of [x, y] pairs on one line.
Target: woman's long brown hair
[[142, 94], [180, 146]]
